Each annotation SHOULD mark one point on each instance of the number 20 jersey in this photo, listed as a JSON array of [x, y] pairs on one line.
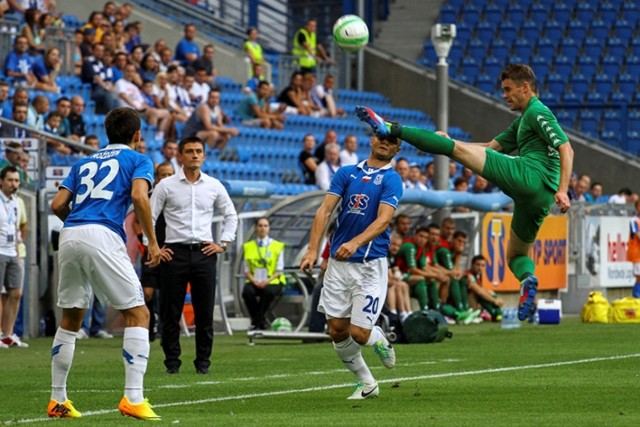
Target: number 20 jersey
[[101, 186]]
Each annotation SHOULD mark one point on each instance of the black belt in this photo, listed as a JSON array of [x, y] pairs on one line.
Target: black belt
[[189, 246]]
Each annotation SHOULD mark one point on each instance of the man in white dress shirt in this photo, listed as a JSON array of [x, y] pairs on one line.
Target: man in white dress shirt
[[328, 167], [348, 155], [188, 200]]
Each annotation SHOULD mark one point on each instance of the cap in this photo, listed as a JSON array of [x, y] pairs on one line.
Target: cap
[[89, 30]]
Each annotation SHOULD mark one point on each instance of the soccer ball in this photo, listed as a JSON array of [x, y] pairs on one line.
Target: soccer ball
[[281, 324], [350, 33]]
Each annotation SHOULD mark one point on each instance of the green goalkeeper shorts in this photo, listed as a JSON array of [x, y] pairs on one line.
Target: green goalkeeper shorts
[[532, 198]]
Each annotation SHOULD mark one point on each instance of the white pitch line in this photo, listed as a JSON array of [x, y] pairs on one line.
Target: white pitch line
[[335, 386]]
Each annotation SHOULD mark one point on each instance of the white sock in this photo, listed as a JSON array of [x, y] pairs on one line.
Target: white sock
[[62, 349], [349, 352], [394, 311], [376, 335], [135, 355], [404, 315]]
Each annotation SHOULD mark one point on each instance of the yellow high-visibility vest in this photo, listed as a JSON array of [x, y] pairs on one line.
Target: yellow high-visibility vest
[[305, 59], [264, 257]]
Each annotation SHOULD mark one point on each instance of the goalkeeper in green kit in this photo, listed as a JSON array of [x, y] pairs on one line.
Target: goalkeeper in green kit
[[534, 179]]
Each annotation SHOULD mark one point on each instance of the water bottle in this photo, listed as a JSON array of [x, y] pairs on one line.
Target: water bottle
[[42, 327], [510, 318], [535, 319]]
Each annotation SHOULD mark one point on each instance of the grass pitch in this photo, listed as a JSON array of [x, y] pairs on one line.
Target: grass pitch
[[571, 374]]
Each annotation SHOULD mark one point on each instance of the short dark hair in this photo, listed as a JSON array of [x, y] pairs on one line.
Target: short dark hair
[[121, 124], [433, 226], [8, 169], [459, 233], [260, 218], [421, 229], [263, 83], [189, 140], [520, 73], [62, 99], [477, 258], [167, 142]]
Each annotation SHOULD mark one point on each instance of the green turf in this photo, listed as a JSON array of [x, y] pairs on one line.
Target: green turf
[[484, 376]]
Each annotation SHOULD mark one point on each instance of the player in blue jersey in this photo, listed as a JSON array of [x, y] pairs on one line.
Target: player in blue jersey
[[93, 201], [355, 283]]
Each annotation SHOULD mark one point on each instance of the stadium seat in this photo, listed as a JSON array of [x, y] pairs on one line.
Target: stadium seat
[[545, 47], [549, 99], [493, 14], [599, 29], [592, 47], [633, 120], [572, 99], [563, 65], [633, 143], [603, 84], [632, 65], [585, 12], [561, 12], [579, 83], [540, 66], [595, 98], [586, 66], [577, 29], [500, 48], [484, 31], [492, 66], [448, 14], [476, 50], [516, 13], [616, 47], [564, 117], [611, 137], [556, 82], [588, 122], [538, 12], [553, 30], [530, 30], [486, 83], [611, 65], [611, 121], [635, 46], [523, 48], [607, 12], [631, 12], [618, 97], [507, 30], [569, 48], [623, 29], [470, 14]]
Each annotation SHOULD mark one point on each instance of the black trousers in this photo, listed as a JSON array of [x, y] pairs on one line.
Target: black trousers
[[258, 301], [189, 265]]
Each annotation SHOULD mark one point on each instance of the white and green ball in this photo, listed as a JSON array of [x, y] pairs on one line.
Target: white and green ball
[[350, 33], [281, 324]]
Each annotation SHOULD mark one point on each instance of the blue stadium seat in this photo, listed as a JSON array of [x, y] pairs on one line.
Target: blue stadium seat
[[540, 66], [607, 12], [603, 84], [470, 14], [631, 12], [588, 122], [635, 46], [507, 30], [561, 12], [522, 48], [500, 48], [611, 65], [549, 99], [595, 98], [538, 12], [486, 83], [611, 121], [619, 97], [632, 65], [633, 143], [577, 29], [616, 47], [531, 30], [579, 83], [448, 14], [586, 65], [484, 31], [633, 120], [492, 66], [599, 29], [623, 29], [585, 11], [545, 47], [556, 82], [564, 117], [493, 14], [463, 32], [569, 48], [572, 98], [516, 13], [553, 29], [563, 65], [610, 137], [476, 50]]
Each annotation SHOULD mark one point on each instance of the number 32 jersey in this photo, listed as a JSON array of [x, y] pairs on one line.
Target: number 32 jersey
[[101, 186]]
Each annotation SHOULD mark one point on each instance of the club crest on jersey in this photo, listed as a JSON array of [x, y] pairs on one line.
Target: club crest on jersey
[[378, 180], [358, 203]]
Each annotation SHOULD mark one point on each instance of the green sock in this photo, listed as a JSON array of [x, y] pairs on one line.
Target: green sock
[[425, 140], [455, 295], [521, 266], [449, 311], [434, 295], [419, 291]]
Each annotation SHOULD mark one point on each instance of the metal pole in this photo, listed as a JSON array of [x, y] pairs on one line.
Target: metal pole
[[360, 84]]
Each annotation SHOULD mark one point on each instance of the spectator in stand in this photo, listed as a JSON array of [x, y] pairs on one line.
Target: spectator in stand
[[5, 103], [136, 56], [109, 12], [330, 137], [23, 166], [95, 23], [206, 123], [205, 62], [307, 50], [170, 154], [322, 96], [254, 80], [200, 89], [329, 166], [88, 41], [480, 185], [13, 152], [308, 83], [263, 269], [20, 116], [402, 167], [124, 12], [78, 39], [109, 42], [595, 193], [178, 99], [134, 39], [158, 46], [38, 111], [308, 163], [46, 69], [149, 68], [252, 48], [453, 174], [95, 72], [254, 109], [461, 184], [402, 225], [187, 50], [120, 36], [18, 63], [160, 88], [76, 120], [580, 191], [624, 196], [415, 177], [33, 33], [51, 126], [166, 59], [20, 97], [293, 96], [141, 146], [429, 175], [348, 155]]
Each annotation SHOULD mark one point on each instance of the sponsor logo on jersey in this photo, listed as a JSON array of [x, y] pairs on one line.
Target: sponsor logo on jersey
[[358, 203]]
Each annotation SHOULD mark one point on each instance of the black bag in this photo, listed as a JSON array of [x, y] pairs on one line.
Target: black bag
[[426, 326]]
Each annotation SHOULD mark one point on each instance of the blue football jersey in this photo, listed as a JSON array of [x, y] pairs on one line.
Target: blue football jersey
[[101, 186], [362, 189]]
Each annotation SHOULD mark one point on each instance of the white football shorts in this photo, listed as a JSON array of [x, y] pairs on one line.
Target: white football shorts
[[355, 290], [636, 268], [94, 257]]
